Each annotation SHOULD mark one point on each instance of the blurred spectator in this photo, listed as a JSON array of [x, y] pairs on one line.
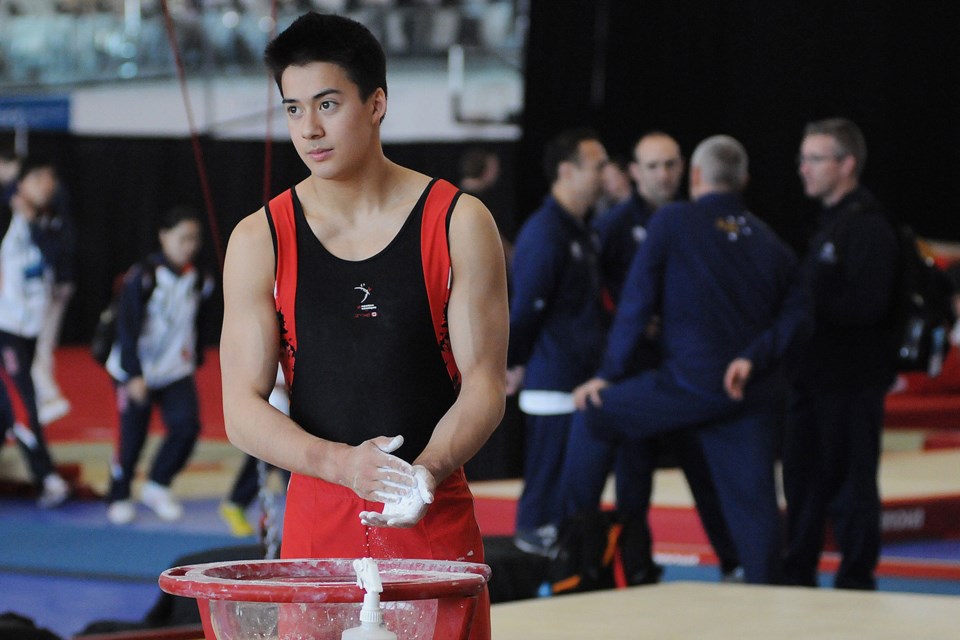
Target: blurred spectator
[[657, 169], [27, 252], [832, 438], [616, 185], [9, 170], [51, 403], [732, 310], [153, 361], [557, 324]]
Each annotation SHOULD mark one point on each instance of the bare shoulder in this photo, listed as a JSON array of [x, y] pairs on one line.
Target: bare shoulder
[[252, 228], [250, 249], [473, 233], [470, 215]]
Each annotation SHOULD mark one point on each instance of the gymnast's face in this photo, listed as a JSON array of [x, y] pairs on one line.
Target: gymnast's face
[[332, 128]]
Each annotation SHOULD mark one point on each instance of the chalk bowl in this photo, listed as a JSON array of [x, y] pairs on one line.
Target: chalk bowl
[[318, 599]]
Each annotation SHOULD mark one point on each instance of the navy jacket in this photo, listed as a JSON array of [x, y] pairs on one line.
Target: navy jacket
[[850, 268], [557, 322], [620, 231], [725, 287]]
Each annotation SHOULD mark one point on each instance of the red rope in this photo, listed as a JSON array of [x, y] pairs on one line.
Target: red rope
[[268, 141], [194, 135]]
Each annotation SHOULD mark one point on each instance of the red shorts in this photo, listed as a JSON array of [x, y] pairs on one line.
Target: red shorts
[[321, 520]]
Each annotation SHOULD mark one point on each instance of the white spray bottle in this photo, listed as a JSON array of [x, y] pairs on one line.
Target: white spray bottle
[[371, 615]]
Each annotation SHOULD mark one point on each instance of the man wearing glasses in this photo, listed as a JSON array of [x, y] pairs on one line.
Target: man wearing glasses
[[832, 438]]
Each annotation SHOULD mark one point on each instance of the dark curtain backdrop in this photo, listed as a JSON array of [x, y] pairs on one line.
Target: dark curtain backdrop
[[759, 71]]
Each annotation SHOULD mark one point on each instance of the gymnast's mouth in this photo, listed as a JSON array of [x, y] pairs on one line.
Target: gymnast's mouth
[[319, 154]]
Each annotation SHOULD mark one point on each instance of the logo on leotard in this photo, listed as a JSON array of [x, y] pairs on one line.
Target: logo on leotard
[[365, 309]]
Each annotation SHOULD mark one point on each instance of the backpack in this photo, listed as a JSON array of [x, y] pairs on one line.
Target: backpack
[[586, 552], [105, 333], [923, 310]]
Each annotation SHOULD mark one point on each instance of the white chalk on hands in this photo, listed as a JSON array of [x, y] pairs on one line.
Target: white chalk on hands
[[393, 445], [401, 489], [396, 489], [406, 510]]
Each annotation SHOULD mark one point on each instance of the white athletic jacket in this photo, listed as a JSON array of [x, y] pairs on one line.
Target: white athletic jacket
[[25, 281], [167, 340]]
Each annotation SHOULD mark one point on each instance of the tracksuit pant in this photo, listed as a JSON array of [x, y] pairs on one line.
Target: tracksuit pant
[[18, 404], [738, 441], [180, 411], [589, 460], [830, 463]]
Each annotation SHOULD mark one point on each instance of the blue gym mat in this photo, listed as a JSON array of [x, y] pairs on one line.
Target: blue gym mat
[[77, 540]]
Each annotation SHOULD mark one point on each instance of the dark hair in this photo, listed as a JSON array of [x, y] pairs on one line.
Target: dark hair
[[34, 163], [474, 162], [317, 37], [620, 161], [565, 147], [176, 215], [7, 152], [848, 136]]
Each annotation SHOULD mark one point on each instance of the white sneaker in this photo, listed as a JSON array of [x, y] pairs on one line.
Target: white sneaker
[[121, 512], [158, 498], [53, 410], [55, 491]]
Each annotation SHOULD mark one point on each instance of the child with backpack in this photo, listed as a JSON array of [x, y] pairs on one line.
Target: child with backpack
[[152, 362]]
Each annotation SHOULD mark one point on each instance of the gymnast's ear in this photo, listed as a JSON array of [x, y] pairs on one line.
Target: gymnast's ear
[[378, 103]]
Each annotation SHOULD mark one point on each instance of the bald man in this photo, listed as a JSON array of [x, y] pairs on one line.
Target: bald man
[[656, 169]]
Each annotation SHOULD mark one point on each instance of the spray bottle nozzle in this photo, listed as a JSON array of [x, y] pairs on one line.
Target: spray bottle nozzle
[[371, 615]]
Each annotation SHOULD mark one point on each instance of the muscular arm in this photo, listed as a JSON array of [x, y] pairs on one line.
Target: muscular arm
[[248, 360], [477, 314]]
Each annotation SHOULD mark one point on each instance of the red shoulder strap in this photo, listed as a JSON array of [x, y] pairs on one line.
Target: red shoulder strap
[[437, 269], [284, 228]]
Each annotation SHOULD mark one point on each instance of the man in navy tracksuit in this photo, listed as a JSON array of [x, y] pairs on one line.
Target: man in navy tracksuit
[[657, 169], [832, 437], [726, 289], [557, 324]]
